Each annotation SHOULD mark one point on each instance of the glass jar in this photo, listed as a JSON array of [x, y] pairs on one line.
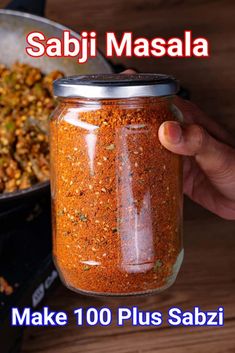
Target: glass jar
[[116, 191]]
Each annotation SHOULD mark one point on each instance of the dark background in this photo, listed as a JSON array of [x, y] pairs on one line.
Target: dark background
[[207, 276]]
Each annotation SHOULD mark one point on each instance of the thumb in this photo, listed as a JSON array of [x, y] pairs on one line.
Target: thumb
[[216, 159]]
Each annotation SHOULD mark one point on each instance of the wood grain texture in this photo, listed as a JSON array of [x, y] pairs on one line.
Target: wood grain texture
[[207, 277], [211, 81]]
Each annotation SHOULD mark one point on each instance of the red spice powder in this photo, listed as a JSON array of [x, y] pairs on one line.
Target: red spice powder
[[116, 196]]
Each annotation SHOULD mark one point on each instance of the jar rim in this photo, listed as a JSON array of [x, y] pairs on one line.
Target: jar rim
[[111, 86]]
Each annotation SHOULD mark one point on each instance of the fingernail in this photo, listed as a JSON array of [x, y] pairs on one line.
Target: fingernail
[[172, 132]]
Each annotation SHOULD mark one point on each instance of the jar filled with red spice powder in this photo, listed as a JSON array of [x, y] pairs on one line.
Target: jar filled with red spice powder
[[116, 191]]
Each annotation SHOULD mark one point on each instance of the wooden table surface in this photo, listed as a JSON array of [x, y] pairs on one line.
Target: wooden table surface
[[206, 280], [207, 277]]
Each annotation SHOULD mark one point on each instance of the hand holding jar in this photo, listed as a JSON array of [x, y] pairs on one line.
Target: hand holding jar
[[209, 162]]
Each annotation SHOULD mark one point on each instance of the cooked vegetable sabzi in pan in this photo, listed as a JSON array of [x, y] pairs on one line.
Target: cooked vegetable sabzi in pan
[[26, 102]]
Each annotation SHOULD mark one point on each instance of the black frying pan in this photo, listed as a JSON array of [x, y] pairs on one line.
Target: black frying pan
[[14, 26]]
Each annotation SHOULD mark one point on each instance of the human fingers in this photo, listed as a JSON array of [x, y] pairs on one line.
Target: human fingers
[[194, 115], [215, 159], [129, 72]]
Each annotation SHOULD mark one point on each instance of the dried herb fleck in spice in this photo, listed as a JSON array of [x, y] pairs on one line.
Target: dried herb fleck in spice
[[116, 196]]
